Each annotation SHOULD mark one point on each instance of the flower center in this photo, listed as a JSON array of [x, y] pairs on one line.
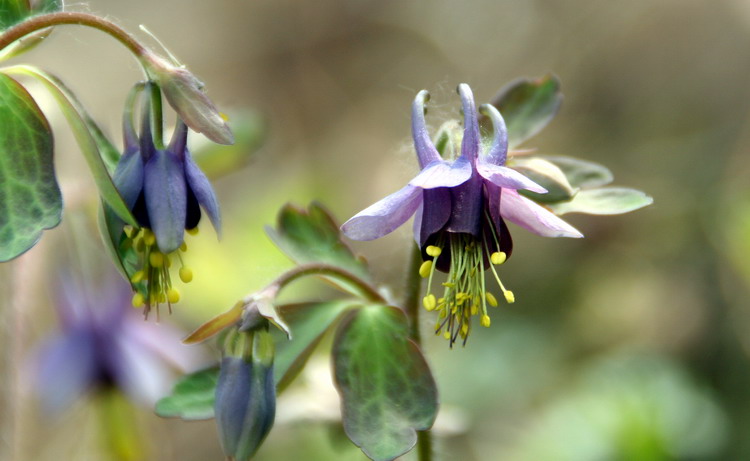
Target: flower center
[[153, 272], [464, 293]]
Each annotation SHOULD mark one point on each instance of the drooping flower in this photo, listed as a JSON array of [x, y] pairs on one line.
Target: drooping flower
[[165, 190], [460, 208]]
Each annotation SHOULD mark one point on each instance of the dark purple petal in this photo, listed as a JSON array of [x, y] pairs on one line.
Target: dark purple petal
[[499, 231], [436, 210], [443, 174], [426, 152], [498, 151], [467, 207], [507, 178], [470, 143], [385, 216], [128, 177], [533, 217], [201, 187], [166, 199], [147, 139]]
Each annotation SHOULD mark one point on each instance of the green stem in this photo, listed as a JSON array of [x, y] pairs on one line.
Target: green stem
[[330, 271], [45, 21], [412, 308]]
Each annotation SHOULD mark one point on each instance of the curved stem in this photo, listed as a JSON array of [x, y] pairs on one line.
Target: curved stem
[[411, 306], [44, 21], [331, 271]]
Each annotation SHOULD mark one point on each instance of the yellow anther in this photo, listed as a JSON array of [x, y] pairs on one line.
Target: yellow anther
[[443, 314], [491, 300], [425, 269], [447, 335], [173, 295], [138, 276], [433, 251], [138, 300], [449, 285], [156, 259], [474, 309], [129, 231], [193, 231], [186, 274], [485, 321], [464, 329], [162, 297], [183, 247], [498, 257], [509, 296], [148, 237], [429, 302]]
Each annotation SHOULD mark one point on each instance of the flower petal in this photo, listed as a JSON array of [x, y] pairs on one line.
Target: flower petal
[[128, 177], [436, 210], [165, 191], [467, 212], [426, 152], [533, 217], [443, 174], [385, 216], [201, 187], [507, 178], [470, 143], [498, 151]]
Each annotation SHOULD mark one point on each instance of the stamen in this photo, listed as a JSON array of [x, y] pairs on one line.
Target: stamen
[[433, 251], [193, 231], [138, 277], [425, 269], [485, 321], [491, 298], [498, 257], [429, 302], [186, 274], [138, 300], [173, 296]]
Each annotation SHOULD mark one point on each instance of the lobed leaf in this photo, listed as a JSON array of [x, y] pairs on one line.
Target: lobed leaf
[[192, 398], [386, 387], [312, 236], [528, 106], [604, 201], [547, 175], [30, 199]]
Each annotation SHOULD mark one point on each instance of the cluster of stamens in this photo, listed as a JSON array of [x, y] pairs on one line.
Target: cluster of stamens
[[464, 294], [155, 269]]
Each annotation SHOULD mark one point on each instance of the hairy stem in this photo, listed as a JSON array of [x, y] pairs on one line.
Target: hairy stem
[[44, 21], [411, 306], [330, 271]]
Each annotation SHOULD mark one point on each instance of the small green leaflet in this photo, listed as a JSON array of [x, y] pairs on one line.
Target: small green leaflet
[[30, 199], [604, 201]]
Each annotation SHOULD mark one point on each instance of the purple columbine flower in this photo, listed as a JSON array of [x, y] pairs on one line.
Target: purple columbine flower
[[459, 208], [165, 190]]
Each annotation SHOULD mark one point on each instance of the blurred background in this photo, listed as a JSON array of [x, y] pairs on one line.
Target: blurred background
[[630, 344]]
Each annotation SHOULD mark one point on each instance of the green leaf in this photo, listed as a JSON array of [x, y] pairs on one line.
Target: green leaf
[[217, 160], [15, 11], [386, 387], [30, 199], [604, 201], [309, 323], [12, 12], [192, 398], [312, 236], [582, 173], [528, 106], [94, 145], [547, 175]]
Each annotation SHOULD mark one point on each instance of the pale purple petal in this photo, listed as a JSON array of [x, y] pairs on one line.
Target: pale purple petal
[[417, 224], [470, 143], [533, 217], [201, 187], [443, 174], [128, 177], [498, 151], [507, 178], [385, 216], [136, 369], [426, 152], [166, 199]]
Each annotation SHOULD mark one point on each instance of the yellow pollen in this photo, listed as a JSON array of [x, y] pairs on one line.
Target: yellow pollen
[[183, 247], [498, 257], [156, 259], [186, 274], [173, 295], [474, 309], [491, 300], [509, 296], [193, 231], [464, 329], [138, 300], [447, 335], [138, 276], [429, 302], [224, 116], [485, 321], [449, 285], [424, 269], [433, 251]]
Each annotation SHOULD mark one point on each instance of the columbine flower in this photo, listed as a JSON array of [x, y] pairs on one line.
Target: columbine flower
[[459, 208], [165, 191]]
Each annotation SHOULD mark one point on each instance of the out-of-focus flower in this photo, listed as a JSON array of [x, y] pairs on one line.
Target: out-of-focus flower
[[165, 190], [459, 209], [245, 404], [185, 94], [103, 345]]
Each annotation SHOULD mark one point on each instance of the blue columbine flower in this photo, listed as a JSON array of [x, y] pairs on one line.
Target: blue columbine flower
[[165, 190], [459, 207]]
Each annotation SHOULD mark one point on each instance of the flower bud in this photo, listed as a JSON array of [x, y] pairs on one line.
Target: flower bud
[[245, 404]]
